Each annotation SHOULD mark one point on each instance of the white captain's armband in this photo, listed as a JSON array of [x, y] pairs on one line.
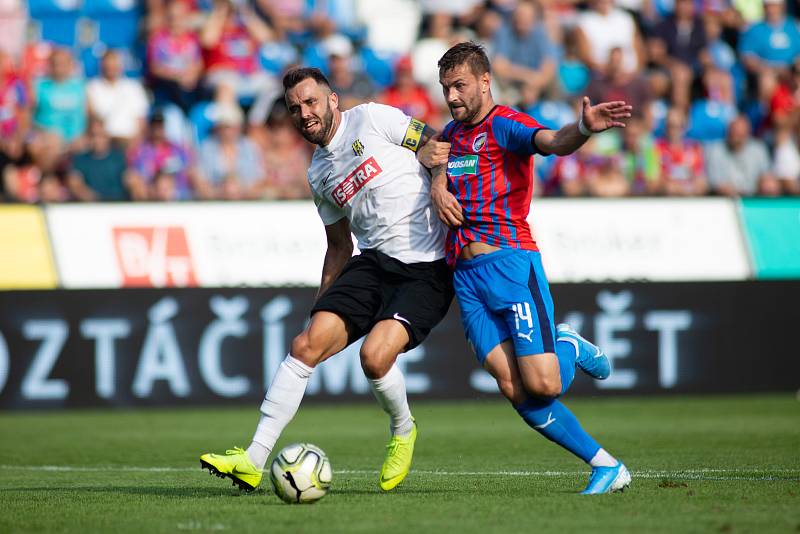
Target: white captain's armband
[[413, 135]]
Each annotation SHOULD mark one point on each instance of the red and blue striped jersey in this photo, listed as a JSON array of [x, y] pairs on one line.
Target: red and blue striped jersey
[[490, 172]]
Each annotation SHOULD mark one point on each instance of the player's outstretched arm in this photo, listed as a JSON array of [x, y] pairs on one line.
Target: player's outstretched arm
[[340, 249], [594, 119]]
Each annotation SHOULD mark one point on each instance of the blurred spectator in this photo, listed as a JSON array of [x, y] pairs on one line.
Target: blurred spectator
[[326, 17], [165, 187], [524, 54], [710, 116], [604, 177], [639, 157], [677, 45], [787, 161], [285, 16], [407, 95], [603, 28], [740, 165], [119, 102], [353, 86], [24, 181], [14, 109], [391, 25], [60, 99], [286, 158], [427, 51], [571, 174], [682, 166], [231, 38], [98, 173], [21, 180], [770, 47], [13, 21], [613, 82], [174, 58], [231, 162], [157, 155], [572, 73], [784, 105], [487, 25]]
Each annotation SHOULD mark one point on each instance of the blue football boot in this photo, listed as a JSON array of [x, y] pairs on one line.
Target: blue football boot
[[591, 360], [608, 480]]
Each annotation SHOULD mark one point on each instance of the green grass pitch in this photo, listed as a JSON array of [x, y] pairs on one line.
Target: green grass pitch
[[699, 464]]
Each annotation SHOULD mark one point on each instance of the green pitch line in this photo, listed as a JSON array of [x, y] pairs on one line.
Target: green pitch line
[[700, 464]]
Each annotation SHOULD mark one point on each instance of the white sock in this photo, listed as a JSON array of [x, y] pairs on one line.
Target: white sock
[[390, 390], [603, 459], [280, 404]]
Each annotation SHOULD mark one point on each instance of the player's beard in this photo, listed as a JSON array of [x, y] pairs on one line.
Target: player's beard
[[325, 125], [467, 110]]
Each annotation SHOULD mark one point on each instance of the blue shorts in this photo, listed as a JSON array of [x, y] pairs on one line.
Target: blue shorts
[[505, 295]]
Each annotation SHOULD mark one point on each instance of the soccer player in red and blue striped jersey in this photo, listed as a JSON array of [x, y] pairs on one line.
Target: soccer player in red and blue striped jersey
[[506, 307]]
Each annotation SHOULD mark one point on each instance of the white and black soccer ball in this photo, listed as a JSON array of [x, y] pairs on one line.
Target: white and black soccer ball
[[301, 473]]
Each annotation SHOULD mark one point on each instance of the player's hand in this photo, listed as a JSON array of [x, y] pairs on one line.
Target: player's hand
[[605, 115], [433, 153], [447, 207]]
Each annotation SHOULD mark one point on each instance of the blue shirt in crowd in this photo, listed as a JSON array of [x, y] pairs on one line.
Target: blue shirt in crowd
[[778, 45]]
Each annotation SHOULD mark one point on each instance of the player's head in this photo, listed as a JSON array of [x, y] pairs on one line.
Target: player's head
[[311, 103], [465, 75]]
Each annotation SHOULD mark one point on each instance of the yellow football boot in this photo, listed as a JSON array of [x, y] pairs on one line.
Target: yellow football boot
[[397, 464], [235, 465]]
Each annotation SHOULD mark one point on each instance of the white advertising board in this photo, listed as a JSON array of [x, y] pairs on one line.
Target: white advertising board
[[640, 239], [185, 245], [283, 243]]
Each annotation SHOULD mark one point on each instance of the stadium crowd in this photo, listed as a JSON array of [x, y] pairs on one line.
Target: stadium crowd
[[181, 99]]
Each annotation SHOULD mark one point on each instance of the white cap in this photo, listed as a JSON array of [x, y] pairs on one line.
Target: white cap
[[337, 45]]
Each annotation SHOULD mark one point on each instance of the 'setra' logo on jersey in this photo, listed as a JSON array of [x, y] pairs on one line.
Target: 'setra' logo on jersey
[[354, 181], [358, 148], [479, 142]]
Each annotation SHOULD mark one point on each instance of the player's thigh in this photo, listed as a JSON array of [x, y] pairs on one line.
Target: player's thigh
[[521, 295], [355, 295], [501, 363], [385, 341], [483, 329], [418, 300], [326, 334]]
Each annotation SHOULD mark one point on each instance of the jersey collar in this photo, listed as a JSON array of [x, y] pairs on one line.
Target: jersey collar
[[491, 112]]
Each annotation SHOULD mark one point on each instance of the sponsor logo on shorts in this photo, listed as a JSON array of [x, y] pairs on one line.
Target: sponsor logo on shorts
[[355, 181], [463, 165], [479, 142]]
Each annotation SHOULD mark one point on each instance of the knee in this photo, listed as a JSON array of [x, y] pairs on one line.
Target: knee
[[544, 386], [513, 391], [376, 359], [304, 350]]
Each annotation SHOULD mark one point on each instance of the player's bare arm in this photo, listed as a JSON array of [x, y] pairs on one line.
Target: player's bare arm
[[340, 249], [594, 119], [447, 207]]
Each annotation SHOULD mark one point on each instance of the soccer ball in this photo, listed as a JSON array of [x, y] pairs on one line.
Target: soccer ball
[[301, 474]]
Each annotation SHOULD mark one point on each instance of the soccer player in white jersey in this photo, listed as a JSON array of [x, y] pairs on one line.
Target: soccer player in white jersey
[[366, 179]]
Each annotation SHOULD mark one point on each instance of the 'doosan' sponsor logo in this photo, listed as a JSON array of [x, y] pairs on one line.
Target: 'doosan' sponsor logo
[[154, 257], [354, 181], [463, 165]]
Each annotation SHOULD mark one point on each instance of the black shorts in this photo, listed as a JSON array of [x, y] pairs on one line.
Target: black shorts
[[373, 287]]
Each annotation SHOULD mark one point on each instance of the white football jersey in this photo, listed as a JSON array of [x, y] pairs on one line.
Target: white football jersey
[[365, 174]]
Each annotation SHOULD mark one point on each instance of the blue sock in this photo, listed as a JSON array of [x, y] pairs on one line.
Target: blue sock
[[566, 354], [554, 421]]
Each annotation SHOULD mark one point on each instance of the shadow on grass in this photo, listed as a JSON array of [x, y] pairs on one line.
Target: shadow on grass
[[206, 492]]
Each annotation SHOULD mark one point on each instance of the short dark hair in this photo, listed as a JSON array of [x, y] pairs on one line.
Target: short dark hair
[[295, 76], [470, 53]]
